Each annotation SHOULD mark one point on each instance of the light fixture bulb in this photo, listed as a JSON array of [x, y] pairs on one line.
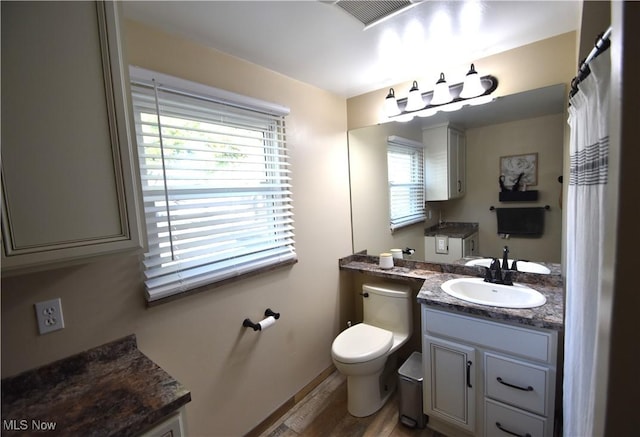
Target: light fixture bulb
[[414, 100], [472, 85], [441, 93], [391, 104]]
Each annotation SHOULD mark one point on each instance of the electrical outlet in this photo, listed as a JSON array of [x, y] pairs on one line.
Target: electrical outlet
[[49, 315]]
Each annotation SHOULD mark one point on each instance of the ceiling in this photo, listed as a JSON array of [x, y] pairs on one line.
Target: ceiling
[[318, 43]]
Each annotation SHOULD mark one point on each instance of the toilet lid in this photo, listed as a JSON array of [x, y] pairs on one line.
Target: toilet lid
[[361, 343]]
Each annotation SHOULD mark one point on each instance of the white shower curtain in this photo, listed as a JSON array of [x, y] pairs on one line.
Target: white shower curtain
[[589, 145]]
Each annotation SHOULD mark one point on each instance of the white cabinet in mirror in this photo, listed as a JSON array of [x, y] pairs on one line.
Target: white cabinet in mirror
[[445, 153], [69, 171]]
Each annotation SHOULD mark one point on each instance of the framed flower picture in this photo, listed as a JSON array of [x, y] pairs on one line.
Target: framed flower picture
[[512, 166]]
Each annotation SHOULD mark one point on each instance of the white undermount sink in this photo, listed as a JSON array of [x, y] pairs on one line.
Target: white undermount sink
[[522, 266], [475, 290]]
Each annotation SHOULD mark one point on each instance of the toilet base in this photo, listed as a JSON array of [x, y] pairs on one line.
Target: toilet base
[[366, 394]]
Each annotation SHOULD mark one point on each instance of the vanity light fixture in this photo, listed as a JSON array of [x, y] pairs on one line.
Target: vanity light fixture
[[472, 86], [415, 100], [475, 90], [391, 104], [441, 93]]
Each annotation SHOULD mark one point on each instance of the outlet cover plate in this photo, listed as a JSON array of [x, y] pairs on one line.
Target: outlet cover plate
[[49, 315]]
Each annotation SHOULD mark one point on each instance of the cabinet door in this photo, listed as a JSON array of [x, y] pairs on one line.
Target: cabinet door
[[69, 171], [450, 381], [457, 163], [436, 163], [470, 246]]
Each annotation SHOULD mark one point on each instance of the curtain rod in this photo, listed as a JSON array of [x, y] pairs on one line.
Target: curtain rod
[[602, 43]]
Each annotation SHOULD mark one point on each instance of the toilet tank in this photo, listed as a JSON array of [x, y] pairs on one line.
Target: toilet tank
[[388, 306]]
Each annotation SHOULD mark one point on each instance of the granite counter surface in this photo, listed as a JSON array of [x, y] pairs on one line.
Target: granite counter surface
[[111, 390], [432, 275], [452, 229]]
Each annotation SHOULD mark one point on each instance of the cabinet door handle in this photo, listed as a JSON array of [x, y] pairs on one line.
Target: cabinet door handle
[[503, 429], [469, 364], [528, 388], [473, 245], [459, 186]]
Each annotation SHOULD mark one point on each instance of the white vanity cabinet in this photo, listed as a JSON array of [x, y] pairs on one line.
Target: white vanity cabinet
[[449, 249], [450, 390], [445, 163], [487, 378], [70, 185]]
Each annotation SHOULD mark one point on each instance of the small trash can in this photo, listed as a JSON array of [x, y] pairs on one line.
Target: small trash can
[[410, 377]]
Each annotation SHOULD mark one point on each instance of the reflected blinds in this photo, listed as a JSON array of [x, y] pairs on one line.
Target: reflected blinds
[[405, 166]]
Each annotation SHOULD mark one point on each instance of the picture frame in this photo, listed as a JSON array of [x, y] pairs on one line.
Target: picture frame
[[511, 166]]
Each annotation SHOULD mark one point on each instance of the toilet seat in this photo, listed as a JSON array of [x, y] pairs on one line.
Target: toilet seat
[[361, 343]]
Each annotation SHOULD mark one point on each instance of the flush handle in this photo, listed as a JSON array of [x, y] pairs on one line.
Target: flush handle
[[364, 294]]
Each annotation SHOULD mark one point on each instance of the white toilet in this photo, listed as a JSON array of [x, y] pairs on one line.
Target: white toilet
[[364, 353]]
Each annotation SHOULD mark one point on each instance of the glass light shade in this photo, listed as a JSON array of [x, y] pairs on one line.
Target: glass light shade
[[472, 85], [441, 93], [391, 104], [414, 101]]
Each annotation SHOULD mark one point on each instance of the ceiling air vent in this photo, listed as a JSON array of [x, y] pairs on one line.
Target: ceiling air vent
[[370, 13]]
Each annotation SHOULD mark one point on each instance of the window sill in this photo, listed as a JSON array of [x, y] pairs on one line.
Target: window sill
[[221, 283]]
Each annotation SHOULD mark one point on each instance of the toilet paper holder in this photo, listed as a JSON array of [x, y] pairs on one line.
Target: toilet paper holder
[[247, 323]]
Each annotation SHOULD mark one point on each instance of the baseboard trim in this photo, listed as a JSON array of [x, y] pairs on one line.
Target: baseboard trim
[[290, 403]]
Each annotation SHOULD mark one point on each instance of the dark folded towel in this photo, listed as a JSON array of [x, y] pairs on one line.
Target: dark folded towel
[[521, 221]]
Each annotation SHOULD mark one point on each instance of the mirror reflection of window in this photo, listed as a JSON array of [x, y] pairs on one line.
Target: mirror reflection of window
[[405, 172]]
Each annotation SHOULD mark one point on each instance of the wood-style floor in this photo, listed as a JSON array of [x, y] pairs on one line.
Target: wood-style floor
[[323, 413]]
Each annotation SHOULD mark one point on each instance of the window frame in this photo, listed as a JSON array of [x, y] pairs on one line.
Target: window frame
[[187, 277]]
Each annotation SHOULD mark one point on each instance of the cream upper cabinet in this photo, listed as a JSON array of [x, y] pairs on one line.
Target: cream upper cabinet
[[445, 162], [70, 184]]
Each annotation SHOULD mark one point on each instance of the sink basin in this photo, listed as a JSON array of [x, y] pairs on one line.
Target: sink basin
[[522, 266], [475, 290]]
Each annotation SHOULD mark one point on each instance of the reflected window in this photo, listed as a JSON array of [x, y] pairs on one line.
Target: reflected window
[[405, 170]]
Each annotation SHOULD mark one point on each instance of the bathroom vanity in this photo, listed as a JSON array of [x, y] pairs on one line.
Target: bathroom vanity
[[488, 371]]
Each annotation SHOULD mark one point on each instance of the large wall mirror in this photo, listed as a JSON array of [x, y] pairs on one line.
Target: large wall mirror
[[531, 122]]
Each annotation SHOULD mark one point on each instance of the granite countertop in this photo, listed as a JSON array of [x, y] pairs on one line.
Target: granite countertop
[[111, 390], [452, 229], [432, 275]]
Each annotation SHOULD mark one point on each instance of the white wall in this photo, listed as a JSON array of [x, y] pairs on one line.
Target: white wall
[[237, 377]]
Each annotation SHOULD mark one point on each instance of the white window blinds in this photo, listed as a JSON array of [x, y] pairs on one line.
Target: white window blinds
[[405, 169], [216, 185]]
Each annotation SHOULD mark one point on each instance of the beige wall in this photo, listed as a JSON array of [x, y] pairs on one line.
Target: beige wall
[[547, 62], [542, 135], [237, 377]]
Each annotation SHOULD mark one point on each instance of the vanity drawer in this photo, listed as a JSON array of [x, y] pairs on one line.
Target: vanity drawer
[[516, 383], [504, 421], [528, 343]]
